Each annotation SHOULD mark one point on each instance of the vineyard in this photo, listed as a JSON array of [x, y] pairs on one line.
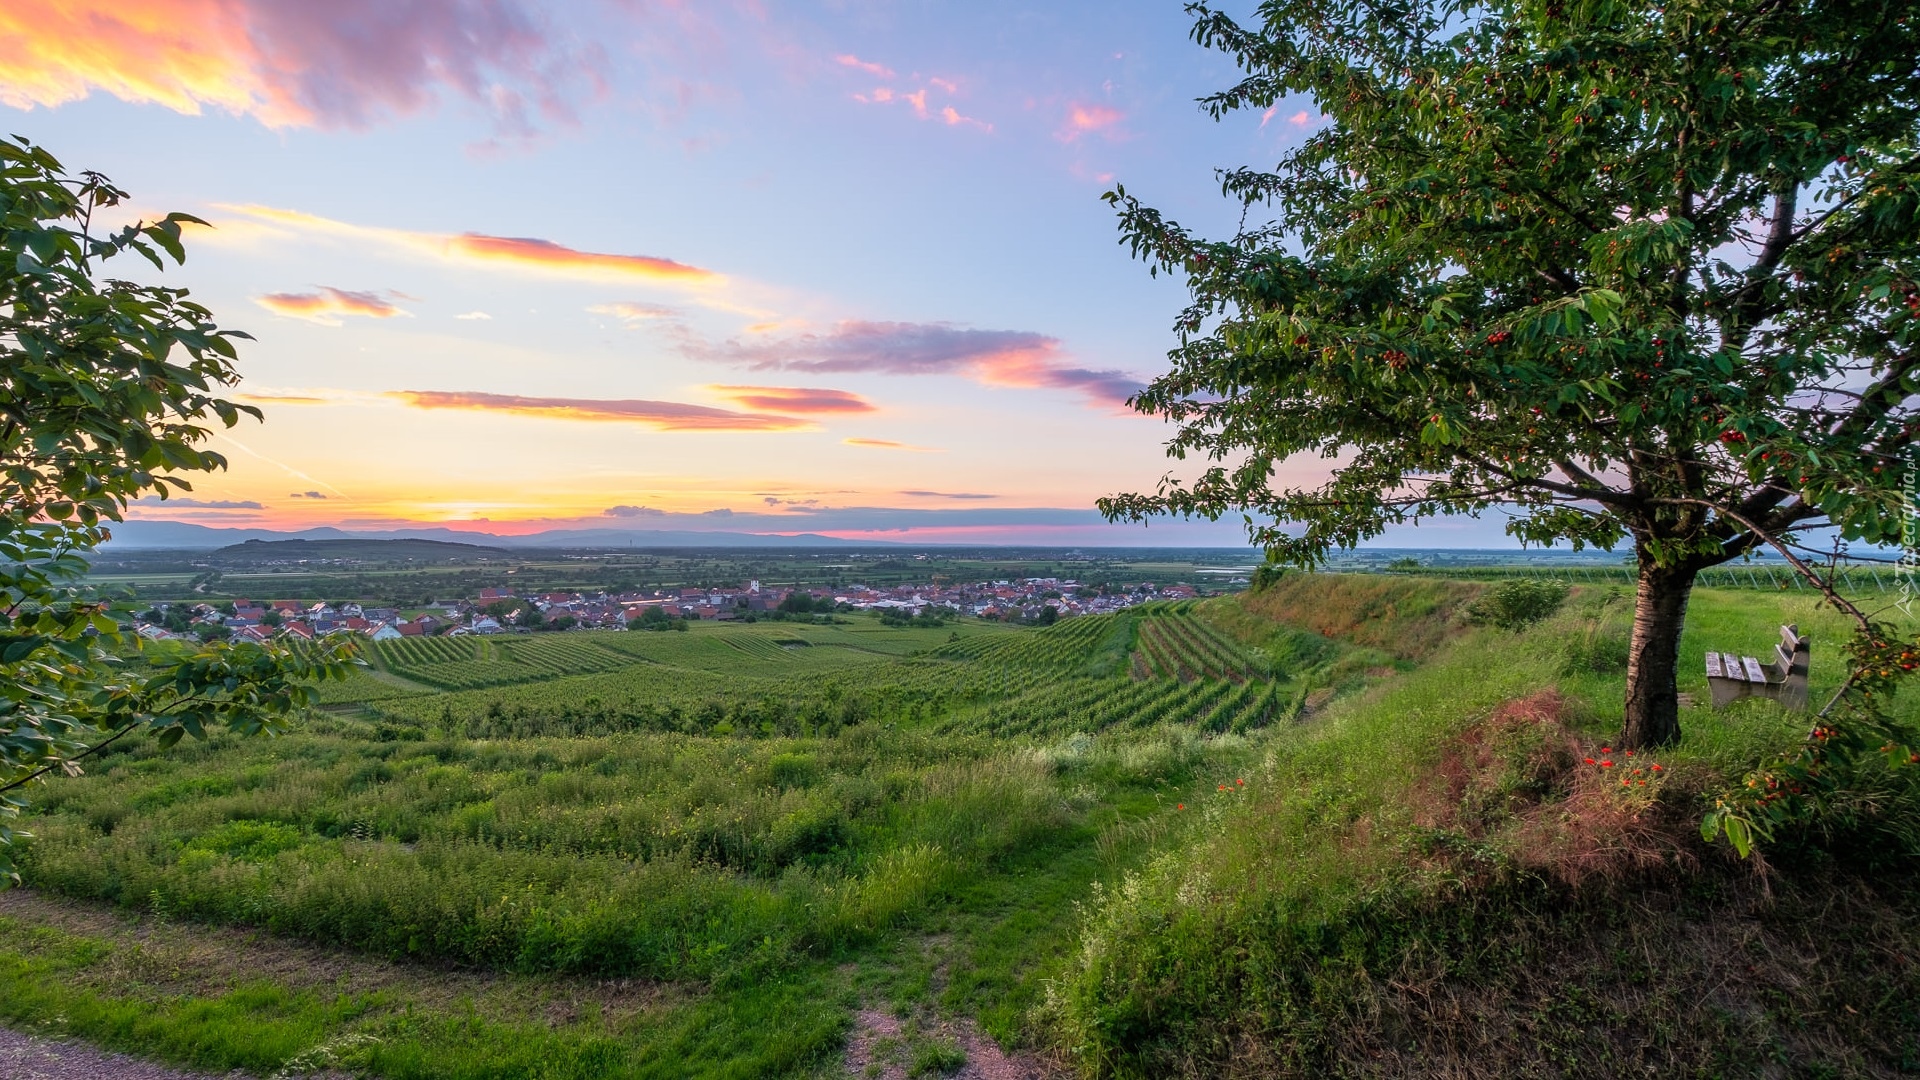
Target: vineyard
[[1158, 664], [707, 810], [478, 663]]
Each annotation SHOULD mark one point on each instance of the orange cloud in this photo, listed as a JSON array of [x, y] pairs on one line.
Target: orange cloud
[[545, 254], [326, 306], [868, 66], [1082, 119], [889, 444], [798, 399], [345, 63], [479, 249], [661, 415]]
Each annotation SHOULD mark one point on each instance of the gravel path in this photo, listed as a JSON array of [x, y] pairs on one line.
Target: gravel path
[[29, 1057]]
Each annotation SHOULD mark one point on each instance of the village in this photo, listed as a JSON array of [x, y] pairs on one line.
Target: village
[[495, 611]]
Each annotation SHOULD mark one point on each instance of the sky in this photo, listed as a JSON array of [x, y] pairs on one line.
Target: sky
[[832, 267]]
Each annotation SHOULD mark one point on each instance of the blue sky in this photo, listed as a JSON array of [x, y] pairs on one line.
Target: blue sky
[[830, 267]]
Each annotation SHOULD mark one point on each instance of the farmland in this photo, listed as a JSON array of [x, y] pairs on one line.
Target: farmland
[[710, 852]]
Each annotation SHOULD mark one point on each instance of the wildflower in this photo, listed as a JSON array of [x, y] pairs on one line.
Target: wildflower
[[1179, 806], [1590, 761], [1629, 753], [1656, 768], [1242, 783], [1606, 764]]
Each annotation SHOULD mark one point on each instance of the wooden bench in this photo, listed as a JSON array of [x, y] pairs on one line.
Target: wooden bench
[[1732, 677]]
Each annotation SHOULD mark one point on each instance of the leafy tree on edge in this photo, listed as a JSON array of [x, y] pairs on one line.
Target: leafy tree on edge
[[1633, 271], [103, 386]]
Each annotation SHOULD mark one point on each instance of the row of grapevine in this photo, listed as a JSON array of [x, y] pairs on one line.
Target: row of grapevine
[[563, 655], [1061, 644], [410, 652], [1174, 643], [1093, 705]]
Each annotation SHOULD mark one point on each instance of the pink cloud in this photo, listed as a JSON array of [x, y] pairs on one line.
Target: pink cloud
[[952, 118], [1301, 118], [633, 313], [917, 98], [328, 304], [1012, 358], [344, 63], [849, 60], [1084, 119], [661, 415], [799, 399]]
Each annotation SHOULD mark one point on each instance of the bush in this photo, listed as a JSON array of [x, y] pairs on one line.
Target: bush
[[1517, 604]]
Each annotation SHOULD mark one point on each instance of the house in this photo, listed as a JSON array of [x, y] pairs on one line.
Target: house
[[411, 629], [298, 630], [384, 631], [485, 624]]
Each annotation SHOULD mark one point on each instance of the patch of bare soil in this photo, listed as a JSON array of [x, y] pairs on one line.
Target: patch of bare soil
[[882, 1047], [29, 1057], [155, 956], [923, 1044]]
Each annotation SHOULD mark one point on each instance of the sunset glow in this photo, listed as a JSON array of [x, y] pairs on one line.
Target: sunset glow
[[511, 266]]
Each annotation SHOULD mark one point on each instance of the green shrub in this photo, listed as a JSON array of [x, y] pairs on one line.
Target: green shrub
[[1517, 604]]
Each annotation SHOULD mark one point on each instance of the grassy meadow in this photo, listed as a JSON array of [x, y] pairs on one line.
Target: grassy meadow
[[1302, 832]]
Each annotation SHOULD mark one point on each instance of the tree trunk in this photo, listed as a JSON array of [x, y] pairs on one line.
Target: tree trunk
[[1653, 659]]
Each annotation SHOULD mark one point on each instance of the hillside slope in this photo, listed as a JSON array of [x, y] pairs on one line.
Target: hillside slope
[[1429, 879]]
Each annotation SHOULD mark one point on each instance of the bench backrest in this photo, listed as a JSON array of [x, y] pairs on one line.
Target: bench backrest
[[1792, 655]]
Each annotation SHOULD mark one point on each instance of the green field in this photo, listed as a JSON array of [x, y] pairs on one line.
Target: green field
[[1179, 839]]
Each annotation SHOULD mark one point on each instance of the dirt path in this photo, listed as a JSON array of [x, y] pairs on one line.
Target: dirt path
[[29, 1057]]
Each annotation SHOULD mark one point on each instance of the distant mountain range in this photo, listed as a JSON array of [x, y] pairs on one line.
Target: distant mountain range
[[184, 536], [411, 550]]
